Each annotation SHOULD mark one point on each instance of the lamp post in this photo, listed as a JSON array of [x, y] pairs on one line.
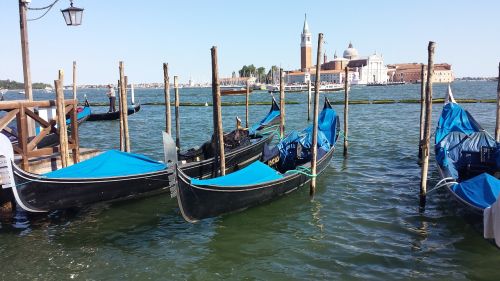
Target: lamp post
[[28, 91], [72, 16]]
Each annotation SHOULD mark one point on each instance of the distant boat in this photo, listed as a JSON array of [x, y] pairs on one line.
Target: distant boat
[[233, 90], [330, 87], [22, 92], [386, 84], [47, 89]]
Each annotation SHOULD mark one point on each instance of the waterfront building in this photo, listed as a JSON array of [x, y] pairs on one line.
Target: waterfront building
[[411, 73]]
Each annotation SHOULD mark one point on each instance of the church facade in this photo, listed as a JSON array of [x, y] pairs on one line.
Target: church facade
[[362, 70]]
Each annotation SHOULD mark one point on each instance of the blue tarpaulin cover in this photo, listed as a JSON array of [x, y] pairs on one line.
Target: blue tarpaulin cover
[[455, 119], [327, 135], [481, 191], [254, 173], [273, 113], [112, 163], [84, 113]]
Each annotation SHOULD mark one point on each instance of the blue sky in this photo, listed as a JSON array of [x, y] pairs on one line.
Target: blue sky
[[144, 34]]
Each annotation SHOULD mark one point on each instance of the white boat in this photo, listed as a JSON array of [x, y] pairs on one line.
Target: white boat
[[330, 87], [47, 89]]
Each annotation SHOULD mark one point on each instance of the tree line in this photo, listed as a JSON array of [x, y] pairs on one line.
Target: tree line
[[12, 85], [260, 73]]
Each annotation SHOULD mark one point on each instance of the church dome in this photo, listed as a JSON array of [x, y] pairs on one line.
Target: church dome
[[350, 52]]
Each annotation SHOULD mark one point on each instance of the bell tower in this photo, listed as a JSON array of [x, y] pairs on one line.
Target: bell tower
[[305, 47]]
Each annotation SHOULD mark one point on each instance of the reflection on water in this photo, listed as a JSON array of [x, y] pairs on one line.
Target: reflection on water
[[363, 223]]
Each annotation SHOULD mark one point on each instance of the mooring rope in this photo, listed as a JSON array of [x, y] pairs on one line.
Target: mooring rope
[[302, 170], [444, 182]]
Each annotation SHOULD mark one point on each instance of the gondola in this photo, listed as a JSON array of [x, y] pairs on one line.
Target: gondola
[[241, 147], [51, 139], [283, 169], [113, 115], [112, 175], [468, 161]]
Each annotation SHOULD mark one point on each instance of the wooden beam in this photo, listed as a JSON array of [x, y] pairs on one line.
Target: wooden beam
[[247, 100], [282, 104], [314, 148], [177, 115], [7, 118], [346, 110], [427, 124], [218, 129], [422, 112], [168, 113], [497, 129]]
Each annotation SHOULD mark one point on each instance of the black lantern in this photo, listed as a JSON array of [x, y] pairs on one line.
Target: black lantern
[[72, 15]]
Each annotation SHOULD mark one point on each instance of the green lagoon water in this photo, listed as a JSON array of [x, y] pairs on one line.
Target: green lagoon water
[[364, 222]]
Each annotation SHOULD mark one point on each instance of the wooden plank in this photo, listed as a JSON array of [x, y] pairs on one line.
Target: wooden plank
[[5, 120], [37, 118], [282, 104], [177, 115], [346, 110]]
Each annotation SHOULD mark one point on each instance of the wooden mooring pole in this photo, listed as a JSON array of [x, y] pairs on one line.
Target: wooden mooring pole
[[427, 124], [314, 152], [61, 121], [309, 100], [177, 116], [74, 80], [422, 112], [282, 104], [168, 113], [346, 110], [119, 95], [217, 112], [247, 100], [497, 129], [125, 140]]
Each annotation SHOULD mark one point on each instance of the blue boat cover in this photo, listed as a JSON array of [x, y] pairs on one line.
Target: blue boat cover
[[449, 151], [112, 163], [455, 119], [82, 114], [273, 114], [327, 136], [254, 173], [481, 191]]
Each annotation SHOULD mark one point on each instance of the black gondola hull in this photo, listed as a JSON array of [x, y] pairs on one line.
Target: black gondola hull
[[112, 115], [198, 203], [38, 194]]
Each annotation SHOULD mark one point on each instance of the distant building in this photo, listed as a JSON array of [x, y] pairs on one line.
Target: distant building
[[411, 73], [305, 47]]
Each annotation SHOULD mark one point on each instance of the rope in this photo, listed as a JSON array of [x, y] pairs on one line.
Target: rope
[[302, 170], [443, 182]]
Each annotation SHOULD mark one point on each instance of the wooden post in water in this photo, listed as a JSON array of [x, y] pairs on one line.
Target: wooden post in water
[[177, 116], [217, 112], [125, 141], [497, 130], [422, 112], [61, 122], [74, 80], [346, 110], [427, 124], [247, 99], [119, 95], [282, 104], [168, 113], [309, 100], [314, 145]]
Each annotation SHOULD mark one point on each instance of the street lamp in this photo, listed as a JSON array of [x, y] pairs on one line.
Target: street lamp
[[72, 15]]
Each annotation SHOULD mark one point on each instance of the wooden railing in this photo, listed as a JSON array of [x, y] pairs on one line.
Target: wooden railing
[[23, 112]]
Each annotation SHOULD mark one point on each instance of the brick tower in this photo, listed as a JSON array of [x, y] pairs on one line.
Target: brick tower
[[305, 47]]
